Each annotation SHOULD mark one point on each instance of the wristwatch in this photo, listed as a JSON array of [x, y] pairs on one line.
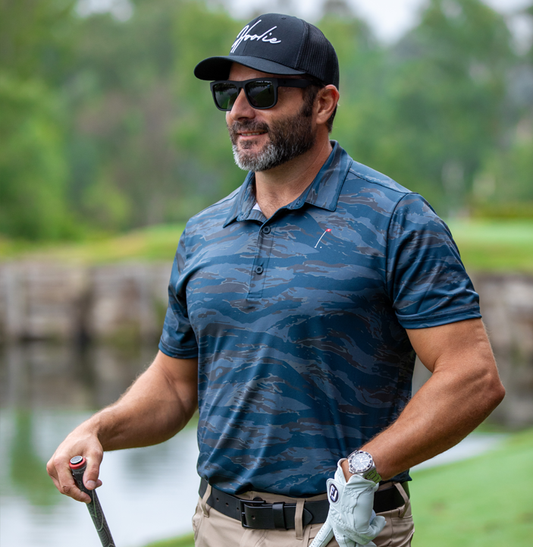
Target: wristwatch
[[362, 463]]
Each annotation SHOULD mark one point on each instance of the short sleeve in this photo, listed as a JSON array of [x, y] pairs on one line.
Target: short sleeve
[[178, 339], [427, 281]]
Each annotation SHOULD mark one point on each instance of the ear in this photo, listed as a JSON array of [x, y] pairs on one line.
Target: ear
[[326, 102]]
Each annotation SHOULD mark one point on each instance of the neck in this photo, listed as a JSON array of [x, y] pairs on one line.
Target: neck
[[280, 186]]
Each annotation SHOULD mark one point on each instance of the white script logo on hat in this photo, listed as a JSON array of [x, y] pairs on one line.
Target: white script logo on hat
[[244, 35]]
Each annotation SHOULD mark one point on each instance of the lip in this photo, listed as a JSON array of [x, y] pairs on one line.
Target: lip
[[251, 134]]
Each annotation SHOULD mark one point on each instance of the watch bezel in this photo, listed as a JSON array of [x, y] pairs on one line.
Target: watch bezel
[[356, 456], [368, 472]]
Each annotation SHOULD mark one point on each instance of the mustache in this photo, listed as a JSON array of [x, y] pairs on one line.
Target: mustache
[[237, 127]]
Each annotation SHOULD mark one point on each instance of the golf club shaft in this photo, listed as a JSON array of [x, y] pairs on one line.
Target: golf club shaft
[[78, 465]]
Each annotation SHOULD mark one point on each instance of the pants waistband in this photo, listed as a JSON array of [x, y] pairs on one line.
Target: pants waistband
[[259, 514]]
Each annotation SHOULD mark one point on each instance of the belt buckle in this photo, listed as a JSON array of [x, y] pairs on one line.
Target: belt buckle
[[249, 503]]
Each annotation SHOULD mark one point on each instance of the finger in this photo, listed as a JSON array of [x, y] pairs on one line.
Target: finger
[[51, 470], [68, 487], [59, 470], [90, 477], [324, 536], [60, 474]]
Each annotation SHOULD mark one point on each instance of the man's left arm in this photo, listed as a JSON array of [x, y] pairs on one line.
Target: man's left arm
[[463, 390]]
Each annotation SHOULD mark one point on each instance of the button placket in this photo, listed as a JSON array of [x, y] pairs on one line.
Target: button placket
[[264, 249]]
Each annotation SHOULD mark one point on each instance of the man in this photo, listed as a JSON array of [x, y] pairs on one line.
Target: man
[[296, 307]]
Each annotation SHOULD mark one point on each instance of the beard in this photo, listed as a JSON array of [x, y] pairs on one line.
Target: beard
[[288, 139]]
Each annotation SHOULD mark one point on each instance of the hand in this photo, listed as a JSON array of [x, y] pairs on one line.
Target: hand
[[81, 442], [351, 518]]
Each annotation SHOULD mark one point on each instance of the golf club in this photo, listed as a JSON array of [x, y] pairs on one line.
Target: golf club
[[78, 465]]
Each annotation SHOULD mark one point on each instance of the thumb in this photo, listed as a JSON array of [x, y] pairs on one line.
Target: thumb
[[376, 525], [324, 536]]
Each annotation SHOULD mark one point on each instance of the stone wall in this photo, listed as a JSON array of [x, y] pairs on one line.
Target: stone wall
[[63, 302], [507, 308], [41, 301]]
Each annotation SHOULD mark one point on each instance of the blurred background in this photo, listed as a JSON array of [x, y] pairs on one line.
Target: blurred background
[[108, 144]]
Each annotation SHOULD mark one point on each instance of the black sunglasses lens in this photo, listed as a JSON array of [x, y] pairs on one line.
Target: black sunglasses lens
[[261, 94], [225, 95]]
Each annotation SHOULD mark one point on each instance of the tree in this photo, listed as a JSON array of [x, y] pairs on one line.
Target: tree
[[437, 101], [139, 149], [200, 130], [503, 187], [32, 165], [449, 94]]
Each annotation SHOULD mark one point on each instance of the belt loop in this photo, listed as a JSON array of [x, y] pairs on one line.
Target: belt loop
[[203, 504], [298, 519], [404, 495]]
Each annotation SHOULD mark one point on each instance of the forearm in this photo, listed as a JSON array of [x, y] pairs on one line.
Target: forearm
[[155, 408], [151, 411], [439, 416], [461, 393]]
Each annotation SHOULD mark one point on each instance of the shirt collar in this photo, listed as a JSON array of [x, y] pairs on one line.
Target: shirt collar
[[323, 192]]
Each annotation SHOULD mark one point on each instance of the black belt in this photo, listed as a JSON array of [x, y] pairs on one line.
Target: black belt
[[259, 514]]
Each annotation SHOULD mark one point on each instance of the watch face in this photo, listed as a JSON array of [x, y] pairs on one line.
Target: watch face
[[361, 462]]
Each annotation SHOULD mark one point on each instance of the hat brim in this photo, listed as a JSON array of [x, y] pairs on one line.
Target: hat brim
[[218, 68]]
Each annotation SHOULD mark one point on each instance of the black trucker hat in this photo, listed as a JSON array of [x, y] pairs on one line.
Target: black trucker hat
[[277, 44]]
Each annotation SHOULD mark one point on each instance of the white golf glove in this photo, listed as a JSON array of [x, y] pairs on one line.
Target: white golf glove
[[351, 518]]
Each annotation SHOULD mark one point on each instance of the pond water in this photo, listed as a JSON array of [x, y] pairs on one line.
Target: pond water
[[148, 494], [46, 391]]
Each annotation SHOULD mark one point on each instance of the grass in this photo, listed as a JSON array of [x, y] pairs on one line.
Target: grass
[[185, 541], [150, 244], [485, 501], [495, 245], [486, 245]]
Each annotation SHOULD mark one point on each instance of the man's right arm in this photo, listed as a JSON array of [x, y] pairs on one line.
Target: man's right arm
[[158, 405]]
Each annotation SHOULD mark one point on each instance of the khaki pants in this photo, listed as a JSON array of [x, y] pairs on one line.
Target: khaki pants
[[213, 529]]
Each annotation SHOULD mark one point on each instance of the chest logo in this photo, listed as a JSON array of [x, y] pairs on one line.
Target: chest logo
[[322, 236]]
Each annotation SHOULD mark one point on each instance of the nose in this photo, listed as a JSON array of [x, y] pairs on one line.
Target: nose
[[241, 107]]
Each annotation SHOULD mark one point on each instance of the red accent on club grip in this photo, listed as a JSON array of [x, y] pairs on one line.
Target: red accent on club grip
[[78, 465]]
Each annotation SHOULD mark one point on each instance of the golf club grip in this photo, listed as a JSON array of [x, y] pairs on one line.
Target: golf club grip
[[94, 507]]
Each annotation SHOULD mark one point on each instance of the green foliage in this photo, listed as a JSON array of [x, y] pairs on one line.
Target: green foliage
[[123, 165], [447, 94], [506, 177], [200, 129], [105, 127], [33, 170], [33, 37], [32, 166], [429, 110]]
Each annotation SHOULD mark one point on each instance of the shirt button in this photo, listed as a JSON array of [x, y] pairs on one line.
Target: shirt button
[[266, 230], [259, 270]]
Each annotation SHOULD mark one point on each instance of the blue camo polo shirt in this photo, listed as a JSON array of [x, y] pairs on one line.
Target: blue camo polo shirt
[[298, 322]]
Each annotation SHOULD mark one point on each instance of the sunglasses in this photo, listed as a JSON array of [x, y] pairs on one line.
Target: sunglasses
[[262, 93]]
